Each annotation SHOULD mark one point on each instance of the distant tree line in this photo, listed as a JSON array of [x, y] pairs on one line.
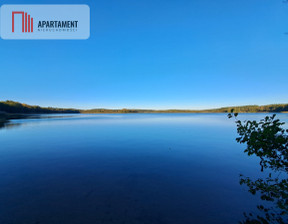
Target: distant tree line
[[16, 107], [254, 109]]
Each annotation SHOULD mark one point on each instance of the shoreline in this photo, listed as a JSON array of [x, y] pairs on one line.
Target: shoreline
[[15, 110], [4, 117]]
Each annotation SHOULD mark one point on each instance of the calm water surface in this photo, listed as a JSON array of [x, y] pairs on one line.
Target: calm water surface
[[125, 169]]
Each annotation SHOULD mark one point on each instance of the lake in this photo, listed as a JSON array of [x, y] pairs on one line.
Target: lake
[[125, 169]]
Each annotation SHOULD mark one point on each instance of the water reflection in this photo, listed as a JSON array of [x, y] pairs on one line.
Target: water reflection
[[120, 169], [18, 120], [2, 124], [9, 125], [273, 190]]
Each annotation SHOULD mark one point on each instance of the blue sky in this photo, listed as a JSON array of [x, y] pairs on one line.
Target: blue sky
[[156, 54]]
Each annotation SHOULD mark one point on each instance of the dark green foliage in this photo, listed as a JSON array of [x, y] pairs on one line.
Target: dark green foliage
[[265, 139], [269, 141], [256, 109], [15, 107]]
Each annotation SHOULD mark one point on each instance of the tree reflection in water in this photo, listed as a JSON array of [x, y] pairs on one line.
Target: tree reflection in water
[[8, 125]]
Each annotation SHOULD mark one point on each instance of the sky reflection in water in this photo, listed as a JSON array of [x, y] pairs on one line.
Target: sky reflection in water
[[131, 168]]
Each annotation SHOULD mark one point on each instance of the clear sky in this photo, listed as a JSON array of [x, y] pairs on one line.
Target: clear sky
[[156, 54]]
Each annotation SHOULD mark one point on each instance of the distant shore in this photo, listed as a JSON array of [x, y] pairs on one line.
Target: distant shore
[[15, 110]]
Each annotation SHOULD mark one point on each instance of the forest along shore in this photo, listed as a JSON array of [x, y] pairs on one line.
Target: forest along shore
[[12, 110]]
